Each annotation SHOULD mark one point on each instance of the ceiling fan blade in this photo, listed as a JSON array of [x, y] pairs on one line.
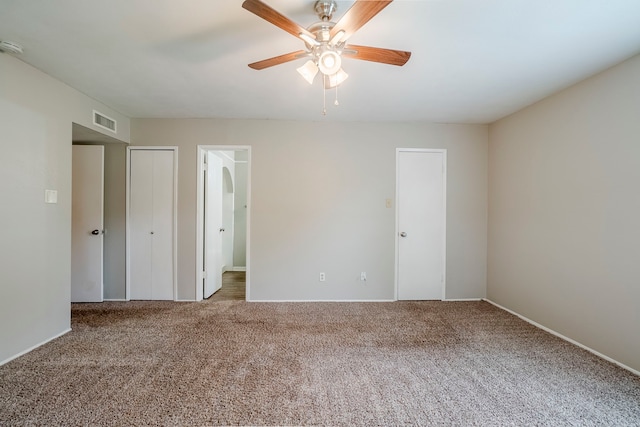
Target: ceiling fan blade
[[359, 14], [277, 60], [376, 54], [271, 15]]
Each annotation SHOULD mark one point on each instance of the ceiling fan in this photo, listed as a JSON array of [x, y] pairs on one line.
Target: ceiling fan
[[326, 40]]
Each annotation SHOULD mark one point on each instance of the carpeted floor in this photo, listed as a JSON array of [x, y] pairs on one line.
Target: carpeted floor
[[335, 364]]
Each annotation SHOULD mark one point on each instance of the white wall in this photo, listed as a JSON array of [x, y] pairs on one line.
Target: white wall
[[564, 198], [318, 195], [36, 115]]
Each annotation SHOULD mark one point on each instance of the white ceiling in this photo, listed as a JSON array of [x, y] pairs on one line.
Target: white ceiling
[[473, 61]]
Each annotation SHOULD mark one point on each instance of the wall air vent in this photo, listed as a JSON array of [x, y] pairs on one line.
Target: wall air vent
[[103, 121]]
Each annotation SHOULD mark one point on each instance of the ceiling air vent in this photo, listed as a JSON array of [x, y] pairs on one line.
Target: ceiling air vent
[[103, 121]]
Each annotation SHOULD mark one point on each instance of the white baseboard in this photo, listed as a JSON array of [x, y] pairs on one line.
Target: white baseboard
[[238, 269], [115, 299], [359, 300], [320, 300], [559, 335], [22, 353]]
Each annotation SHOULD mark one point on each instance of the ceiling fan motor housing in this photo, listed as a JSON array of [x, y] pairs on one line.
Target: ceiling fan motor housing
[[322, 30]]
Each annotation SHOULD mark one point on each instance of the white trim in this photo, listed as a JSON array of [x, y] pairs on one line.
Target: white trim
[[238, 269], [127, 226], [321, 300], [559, 335], [200, 168], [248, 240], [175, 216], [22, 353], [200, 221], [222, 153], [462, 299], [443, 151], [115, 300]]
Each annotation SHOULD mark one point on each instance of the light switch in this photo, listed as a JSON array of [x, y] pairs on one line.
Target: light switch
[[388, 203], [50, 196]]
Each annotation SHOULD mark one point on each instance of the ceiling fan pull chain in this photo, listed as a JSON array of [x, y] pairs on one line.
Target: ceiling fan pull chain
[[336, 103], [324, 100]]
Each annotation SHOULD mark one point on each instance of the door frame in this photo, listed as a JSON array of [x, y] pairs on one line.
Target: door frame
[[175, 217], [200, 220], [443, 151]]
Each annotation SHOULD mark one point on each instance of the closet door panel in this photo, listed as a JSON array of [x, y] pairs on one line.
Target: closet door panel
[[163, 221], [140, 224]]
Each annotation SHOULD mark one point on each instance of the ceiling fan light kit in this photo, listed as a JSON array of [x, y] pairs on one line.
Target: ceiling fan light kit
[[336, 79], [325, 41], [308, 71]]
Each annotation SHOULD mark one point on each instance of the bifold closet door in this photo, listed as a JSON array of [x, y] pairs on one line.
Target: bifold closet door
[[151, 210]]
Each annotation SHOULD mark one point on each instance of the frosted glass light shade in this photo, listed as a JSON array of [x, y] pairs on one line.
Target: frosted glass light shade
[[308, 71], [336, 79]]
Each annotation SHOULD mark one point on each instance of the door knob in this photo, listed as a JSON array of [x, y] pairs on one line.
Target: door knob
[[403, 234], [95, 232]]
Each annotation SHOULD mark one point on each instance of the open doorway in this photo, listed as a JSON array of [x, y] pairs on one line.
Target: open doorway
[[222, 223], [111, 259]]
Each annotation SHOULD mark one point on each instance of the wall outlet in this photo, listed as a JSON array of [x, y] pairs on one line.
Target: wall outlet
[[323, 277], [363, 276]]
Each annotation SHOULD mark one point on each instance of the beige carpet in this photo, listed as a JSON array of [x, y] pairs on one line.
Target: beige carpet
[[336, 364]]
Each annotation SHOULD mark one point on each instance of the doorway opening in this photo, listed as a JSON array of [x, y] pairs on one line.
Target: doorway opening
[[234, 284], [111, 259], [222, 222]]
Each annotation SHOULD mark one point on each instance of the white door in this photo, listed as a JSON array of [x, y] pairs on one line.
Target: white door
[[151, 224], [87, 223], [421, 224], [213, 225]]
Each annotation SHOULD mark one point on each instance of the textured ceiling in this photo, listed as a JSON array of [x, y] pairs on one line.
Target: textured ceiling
[[473, 61]]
